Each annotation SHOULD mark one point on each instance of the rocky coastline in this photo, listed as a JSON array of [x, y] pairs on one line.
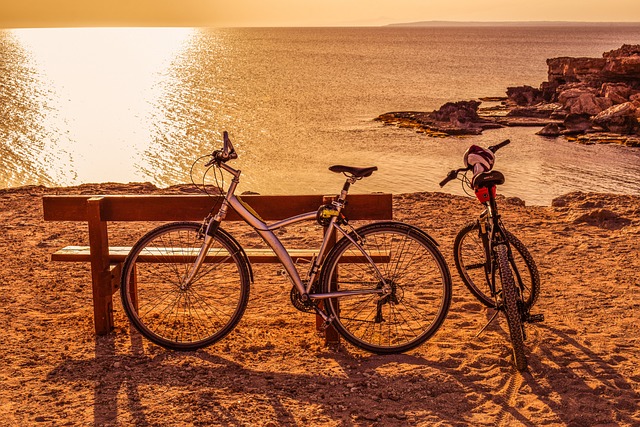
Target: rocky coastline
[[587, 100]]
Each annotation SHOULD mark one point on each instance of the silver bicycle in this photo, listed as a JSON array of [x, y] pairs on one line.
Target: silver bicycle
[[385, 286]]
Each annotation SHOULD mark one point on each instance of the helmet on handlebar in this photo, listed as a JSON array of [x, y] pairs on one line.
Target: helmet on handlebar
[[478, 156]]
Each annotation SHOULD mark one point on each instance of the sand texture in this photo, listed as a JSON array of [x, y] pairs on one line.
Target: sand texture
[[274, 370]]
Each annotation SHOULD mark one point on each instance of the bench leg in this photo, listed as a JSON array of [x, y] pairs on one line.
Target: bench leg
[[103, 302], [101, 281]]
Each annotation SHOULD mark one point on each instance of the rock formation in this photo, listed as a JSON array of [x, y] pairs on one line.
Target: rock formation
[[587, 99], [453, 118]]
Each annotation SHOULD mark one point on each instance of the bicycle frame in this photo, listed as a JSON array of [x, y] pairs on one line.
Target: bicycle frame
[[267, 233]]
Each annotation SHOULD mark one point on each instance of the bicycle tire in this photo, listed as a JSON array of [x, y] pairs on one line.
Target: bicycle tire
[[167, 313], [512, 307], [473, 268], [417, 276]]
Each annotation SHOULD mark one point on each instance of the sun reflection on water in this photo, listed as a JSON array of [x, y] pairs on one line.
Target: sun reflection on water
[[100, 87]]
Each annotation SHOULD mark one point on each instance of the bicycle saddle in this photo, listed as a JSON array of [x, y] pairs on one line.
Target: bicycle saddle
[[356, 172], [487, 179]]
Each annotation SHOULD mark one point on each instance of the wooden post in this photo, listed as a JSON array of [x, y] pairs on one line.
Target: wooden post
[[331, 336], [100, 272]]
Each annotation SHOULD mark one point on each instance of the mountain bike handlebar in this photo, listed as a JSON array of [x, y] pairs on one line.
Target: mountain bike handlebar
[[454, 173], [496, 147]]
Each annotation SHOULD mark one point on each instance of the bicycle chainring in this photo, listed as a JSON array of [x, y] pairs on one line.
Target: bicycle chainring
[[296, 299]]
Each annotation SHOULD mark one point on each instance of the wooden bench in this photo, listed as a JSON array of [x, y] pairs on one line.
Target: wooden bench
[[106, 261]]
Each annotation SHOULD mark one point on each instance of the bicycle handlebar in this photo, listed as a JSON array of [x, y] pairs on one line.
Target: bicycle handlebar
[[454, 173], [496, 147], [225, 154]]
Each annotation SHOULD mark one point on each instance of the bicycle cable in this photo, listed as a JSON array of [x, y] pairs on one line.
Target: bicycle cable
[[466, 184], [203, 187]]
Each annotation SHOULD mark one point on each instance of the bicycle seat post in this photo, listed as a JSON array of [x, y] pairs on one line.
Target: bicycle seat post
[[345, 188]]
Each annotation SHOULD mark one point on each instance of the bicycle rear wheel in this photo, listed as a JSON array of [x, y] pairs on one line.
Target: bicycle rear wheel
[[413, 274], [513, 307], [171, 313], [473, 266]]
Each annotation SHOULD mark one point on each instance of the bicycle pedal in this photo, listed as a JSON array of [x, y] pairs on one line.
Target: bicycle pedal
[[535, 318]]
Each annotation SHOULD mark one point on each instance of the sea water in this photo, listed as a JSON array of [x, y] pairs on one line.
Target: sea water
[[142, 104]]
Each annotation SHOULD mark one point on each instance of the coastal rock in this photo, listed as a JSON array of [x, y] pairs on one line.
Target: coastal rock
[[620, 118], [577, 123], [623, 64], [566, 69], [460, 113], [590, 100], [618, 93], [618, 65], [453, 118], [551, 130], [583, 101], [549, 91], [525, 95], [541, 111]]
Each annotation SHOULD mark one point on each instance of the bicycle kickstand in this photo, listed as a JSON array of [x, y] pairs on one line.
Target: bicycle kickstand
[[488, 323]]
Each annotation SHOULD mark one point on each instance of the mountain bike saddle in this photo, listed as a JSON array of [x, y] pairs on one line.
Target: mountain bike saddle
[[356, 172], [487, 179]]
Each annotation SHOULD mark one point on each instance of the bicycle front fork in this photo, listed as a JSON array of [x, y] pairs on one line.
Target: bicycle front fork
[[209, 234]]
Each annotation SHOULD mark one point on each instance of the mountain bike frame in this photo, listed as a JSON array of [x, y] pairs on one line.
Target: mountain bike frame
[[494, 235], [267, 233]]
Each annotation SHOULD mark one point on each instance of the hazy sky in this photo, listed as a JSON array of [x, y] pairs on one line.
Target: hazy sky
[[224, 13]]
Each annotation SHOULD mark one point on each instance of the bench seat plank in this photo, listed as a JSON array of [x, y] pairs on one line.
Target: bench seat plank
[[117, 254]]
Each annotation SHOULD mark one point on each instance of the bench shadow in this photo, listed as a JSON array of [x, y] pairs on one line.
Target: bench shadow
[[202, 385], [119, 378]]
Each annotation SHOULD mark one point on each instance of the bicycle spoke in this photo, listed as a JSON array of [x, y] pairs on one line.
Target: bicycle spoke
[[181, 315], [403, 314]]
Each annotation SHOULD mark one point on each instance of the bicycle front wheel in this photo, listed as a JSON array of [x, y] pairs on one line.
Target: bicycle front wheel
[[398, 301], [473, 266], [513, 307], [175, 314]]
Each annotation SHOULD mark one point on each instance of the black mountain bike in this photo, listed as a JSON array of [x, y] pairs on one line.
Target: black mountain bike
[[494, 265]]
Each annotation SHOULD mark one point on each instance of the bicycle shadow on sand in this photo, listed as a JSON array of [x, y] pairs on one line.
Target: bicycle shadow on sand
[[209, 389], [567, 383], [580, 385]]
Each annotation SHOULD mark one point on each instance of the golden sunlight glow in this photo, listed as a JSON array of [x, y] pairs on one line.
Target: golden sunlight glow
[[226, 13], [101, 84]]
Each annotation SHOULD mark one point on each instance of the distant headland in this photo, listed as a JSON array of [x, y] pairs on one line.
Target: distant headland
[[510, 24], [588, 100]]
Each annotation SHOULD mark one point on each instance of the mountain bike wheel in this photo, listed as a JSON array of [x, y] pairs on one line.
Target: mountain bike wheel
[[175, 315], [513, 307], [472, 265], [411, 270]]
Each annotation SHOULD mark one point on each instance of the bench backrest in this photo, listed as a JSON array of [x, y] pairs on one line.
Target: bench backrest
[[173, 207]]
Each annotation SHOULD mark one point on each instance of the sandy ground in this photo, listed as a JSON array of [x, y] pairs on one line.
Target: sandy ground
[[274, 370]]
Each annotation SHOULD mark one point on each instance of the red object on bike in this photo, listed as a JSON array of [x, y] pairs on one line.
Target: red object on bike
[[482, 194]]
